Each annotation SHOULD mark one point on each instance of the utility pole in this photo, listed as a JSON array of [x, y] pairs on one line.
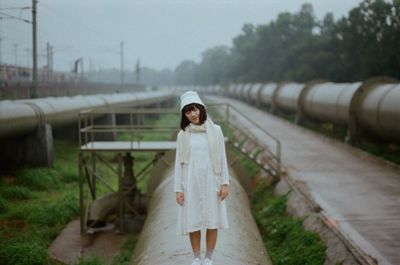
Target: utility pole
[[137, 71], [48, 60], [51, 62], [33, 91], [122, 65], [1, 32], [15, 54]]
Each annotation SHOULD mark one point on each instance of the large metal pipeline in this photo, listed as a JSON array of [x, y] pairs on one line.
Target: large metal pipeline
[[370, 107], [266, 94], [23, 116], [286, 96], [254, 92], [375, 108], [158, 243], [328, 102]]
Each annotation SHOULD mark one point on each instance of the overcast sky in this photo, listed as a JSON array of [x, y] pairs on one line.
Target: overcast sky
[[162, 33]]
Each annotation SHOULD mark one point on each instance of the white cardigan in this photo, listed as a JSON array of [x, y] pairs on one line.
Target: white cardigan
[[202, 206]]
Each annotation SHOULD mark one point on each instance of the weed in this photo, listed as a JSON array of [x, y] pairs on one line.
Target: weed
[[3, 205], [59, 212], [39, 178], [124, 257], [15, 192], [90, 260], [284, 237], [20, 251]]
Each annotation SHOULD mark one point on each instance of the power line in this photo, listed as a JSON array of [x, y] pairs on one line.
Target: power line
[[14, 17], [15, 8]]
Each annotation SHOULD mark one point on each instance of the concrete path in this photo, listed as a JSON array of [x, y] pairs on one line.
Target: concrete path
[[362, 194], [70, 245]]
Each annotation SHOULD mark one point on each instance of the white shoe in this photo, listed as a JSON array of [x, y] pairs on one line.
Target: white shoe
[[207, 261], [196, 261]]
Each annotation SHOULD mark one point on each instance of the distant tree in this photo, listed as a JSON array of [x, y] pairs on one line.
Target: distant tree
[[185, 73], [214, 65], [301, 48], [242, 53], [370, 39]]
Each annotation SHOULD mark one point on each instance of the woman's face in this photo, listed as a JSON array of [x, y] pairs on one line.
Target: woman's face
[[193, 115]]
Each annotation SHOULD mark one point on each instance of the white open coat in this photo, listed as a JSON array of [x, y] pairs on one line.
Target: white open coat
[[202, 208]]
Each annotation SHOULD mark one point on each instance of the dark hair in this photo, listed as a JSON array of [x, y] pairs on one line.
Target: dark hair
[[185, 121]]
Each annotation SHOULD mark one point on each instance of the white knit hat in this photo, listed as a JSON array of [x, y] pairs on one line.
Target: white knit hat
[[190, 97]]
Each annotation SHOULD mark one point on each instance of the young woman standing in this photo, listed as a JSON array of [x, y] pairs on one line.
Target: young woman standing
[[201, 177]]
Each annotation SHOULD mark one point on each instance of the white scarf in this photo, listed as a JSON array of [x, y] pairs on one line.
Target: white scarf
[[213, 143]]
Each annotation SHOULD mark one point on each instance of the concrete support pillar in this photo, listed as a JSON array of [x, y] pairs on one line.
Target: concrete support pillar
[[34, 149]]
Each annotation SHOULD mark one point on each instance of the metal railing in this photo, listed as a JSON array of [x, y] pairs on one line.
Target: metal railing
[[249, 138]]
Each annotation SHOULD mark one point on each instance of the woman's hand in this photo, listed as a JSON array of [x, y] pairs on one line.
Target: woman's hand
[[180, 198], [223, 192]]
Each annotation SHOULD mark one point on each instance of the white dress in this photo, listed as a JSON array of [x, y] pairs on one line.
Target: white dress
[[201, 208]]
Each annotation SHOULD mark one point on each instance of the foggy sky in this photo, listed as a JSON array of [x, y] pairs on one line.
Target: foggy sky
[[162, 33]]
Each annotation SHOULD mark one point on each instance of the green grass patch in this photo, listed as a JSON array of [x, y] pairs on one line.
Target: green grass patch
[[66, 161], [40, 201], [387, 151], [90, 260], [3, 205], [54, 213], [327, 129], [15, 192], [124, 257], [287, 242], [24, 251], [39, 178]]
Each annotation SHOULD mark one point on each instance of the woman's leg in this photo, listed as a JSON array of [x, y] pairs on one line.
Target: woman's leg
[[211, 240], [195, 238]]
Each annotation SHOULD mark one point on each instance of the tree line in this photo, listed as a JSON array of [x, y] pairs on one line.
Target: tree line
[[299, 47]]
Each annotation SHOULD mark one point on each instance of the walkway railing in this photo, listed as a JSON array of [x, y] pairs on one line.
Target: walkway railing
[[243, 133]]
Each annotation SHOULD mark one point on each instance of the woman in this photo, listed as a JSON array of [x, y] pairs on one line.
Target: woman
[[201, 177]]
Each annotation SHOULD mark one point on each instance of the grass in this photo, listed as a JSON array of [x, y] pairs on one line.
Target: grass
[[21, 252], [38, 202], [16, 192], [3, 205], [287, 242], [90, 260], [387, 151], [39, 178], [124, 257]]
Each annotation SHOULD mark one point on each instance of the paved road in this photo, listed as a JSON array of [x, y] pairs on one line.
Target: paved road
[[360, 193]]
